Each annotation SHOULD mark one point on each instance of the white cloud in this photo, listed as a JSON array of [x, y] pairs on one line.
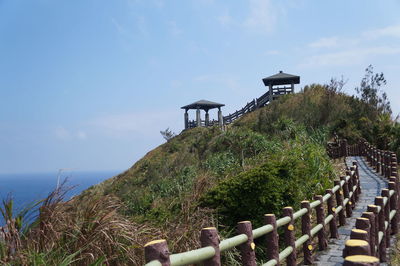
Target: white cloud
[[325, 43], [204, 2], [159, 3], [81, 135], [225, 20], [360, 48], [350, 56], [62, 133], [225, 81], [389, 31], [174, 29], [176, 83], [263, 16], [134, 124], [120, 29], [272, 52], [141, 25]]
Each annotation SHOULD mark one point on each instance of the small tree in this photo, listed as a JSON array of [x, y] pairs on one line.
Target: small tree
[[370, 91], [167, 134], [336, 85]]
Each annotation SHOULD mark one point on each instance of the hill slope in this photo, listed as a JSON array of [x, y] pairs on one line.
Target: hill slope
[[199, 177]]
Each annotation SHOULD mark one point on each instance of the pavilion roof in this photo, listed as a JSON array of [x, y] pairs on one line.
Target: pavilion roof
[[281, 79], [203, 104]]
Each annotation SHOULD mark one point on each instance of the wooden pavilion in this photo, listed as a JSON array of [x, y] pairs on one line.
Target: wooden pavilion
[[280, 79], [206, 106]]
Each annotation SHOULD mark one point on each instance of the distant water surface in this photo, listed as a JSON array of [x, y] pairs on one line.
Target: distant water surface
[[28, 188]]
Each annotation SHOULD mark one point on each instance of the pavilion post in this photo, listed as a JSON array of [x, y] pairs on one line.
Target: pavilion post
[[271, 93], [198, 118], [207, 118], [292, 87], [186, 119], [220, 118]]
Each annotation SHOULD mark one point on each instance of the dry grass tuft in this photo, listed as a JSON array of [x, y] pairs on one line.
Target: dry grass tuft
[[72, 233]]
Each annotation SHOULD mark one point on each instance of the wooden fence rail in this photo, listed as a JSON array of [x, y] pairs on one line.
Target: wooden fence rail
[[367, 246], [255, 104], [368, 242], [156, 252]]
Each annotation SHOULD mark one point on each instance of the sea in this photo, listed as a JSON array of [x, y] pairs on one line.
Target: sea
[[26, 189]]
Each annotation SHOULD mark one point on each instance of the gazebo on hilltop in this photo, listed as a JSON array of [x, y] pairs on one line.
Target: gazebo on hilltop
[[280, 79], [206, 106]]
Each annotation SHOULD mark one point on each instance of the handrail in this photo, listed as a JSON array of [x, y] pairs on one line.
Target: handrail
[[201, 254], [232, 242], [346, 191], [383, 216], [255, 104], [192, 256]]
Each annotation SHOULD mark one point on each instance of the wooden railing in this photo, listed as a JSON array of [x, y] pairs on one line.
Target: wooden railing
[[345, 192], [371, 236], [255, 104], [249, 107], [211, 123]]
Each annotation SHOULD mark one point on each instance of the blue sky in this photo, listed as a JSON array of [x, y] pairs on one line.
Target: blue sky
[[88, 84]]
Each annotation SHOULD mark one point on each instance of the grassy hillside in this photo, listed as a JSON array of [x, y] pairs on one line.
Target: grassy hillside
[[268, 159], [206, 177]]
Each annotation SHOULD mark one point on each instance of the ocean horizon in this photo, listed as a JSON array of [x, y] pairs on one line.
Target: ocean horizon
[[25, 189]]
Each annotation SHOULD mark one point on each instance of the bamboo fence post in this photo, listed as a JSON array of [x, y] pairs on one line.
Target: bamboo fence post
[[272, 239], [385, 193], [393, 206], [344, 148], [355, 164], [306, 230], [290, 236], [393, 164], [209, 237], [379, 159], [350, 185], [349, 210], [372, 158], [247, 249], [368, 153], [322, 241], [372, 229], [381, 218], [157, 250], [332, 211], [339, 202], [384, 163], [389, 164], [375, 229], [355, 183]]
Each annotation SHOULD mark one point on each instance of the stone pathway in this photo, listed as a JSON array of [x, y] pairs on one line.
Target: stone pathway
[[371, 185]]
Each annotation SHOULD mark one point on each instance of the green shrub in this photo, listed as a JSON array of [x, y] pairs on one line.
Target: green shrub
[[289, 176], [221, 163]]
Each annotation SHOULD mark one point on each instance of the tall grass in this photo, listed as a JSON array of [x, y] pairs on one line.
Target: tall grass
[[70, 233]]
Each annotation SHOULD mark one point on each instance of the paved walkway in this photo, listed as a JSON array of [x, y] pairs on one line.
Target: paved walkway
[[371, 185]]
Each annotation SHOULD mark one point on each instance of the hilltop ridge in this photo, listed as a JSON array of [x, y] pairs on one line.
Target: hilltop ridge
[[197, 178]]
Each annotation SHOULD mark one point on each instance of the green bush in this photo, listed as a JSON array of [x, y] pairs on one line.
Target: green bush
[[221, 163], [295, 173]]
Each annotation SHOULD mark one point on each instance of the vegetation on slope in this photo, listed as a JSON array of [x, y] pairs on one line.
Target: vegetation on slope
[[268, 159]]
